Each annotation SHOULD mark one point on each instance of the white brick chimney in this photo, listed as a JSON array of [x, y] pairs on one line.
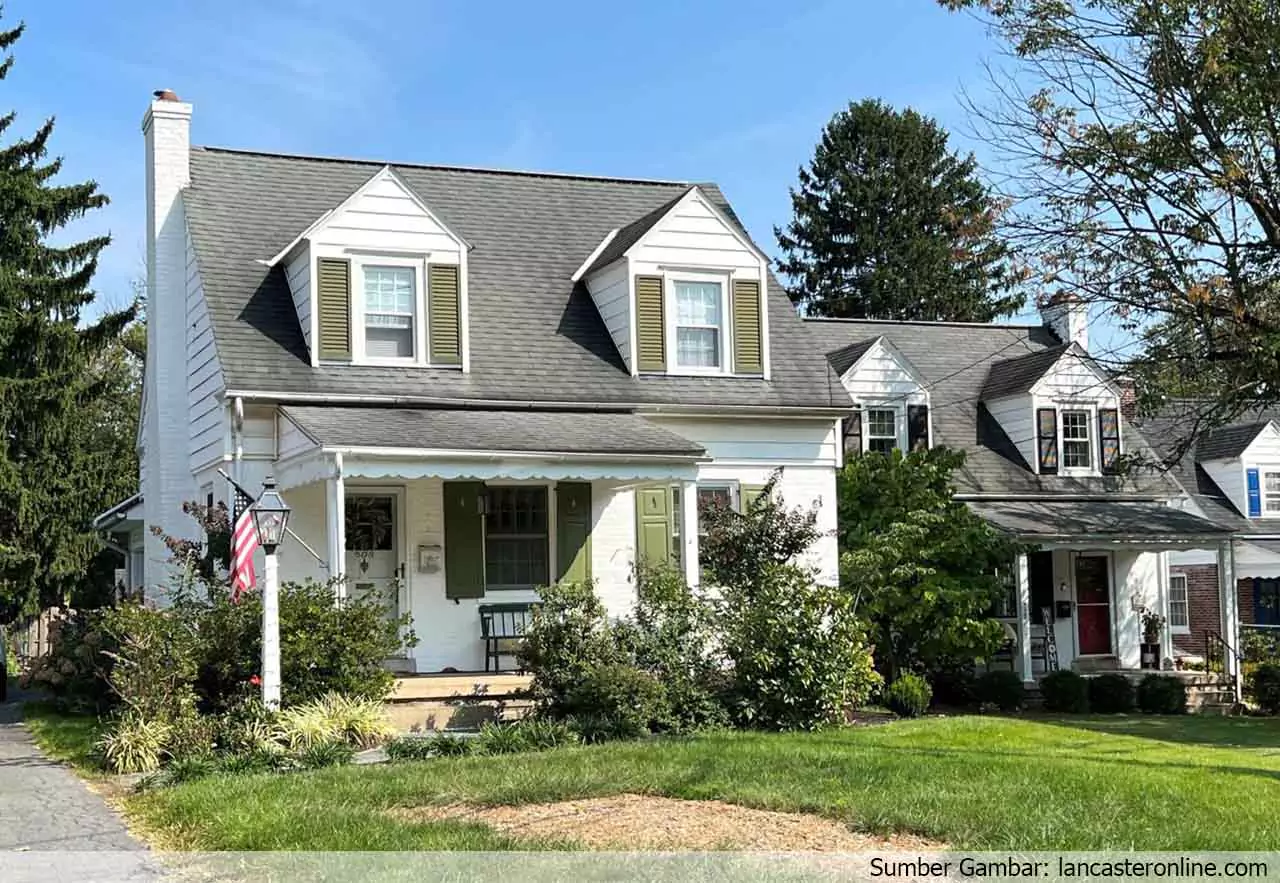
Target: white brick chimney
[[166, 129], [1067, 316]]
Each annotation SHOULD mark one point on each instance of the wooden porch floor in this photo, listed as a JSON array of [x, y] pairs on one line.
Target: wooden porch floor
[[440, 686]]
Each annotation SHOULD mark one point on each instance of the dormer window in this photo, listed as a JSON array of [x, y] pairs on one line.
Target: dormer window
[[1271, 493], [882, 430], [1067, 438], [1076, 444], [391, 308], [699, 323]]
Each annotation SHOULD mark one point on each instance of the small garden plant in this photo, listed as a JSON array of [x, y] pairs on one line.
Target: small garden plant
[[1065, 691], [1157, 694], [1002, 690], [908, 696], [1111, 694]]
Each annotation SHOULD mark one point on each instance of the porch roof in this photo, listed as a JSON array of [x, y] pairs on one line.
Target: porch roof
[[118, 514], [1150, 523]]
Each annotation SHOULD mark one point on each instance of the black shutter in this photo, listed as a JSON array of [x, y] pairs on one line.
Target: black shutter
[[853, 434], [917, 427], [1047, 440], [1109, 440]]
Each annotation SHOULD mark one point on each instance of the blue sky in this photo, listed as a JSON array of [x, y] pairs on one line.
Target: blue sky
[[735, 92]]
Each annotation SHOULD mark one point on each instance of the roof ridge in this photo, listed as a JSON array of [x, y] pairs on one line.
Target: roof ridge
[[486, 170], [992, 325]]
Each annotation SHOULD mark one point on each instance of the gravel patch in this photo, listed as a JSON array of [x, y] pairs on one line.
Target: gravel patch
[[640, 822]]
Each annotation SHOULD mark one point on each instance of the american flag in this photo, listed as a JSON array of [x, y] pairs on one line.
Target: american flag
[[244, 542]]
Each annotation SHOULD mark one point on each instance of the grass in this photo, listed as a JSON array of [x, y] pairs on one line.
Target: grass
[[64, 737], [974, 782]]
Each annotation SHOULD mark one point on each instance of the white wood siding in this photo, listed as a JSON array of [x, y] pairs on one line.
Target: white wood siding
[[611, 290], [1228, 475], [692, 235], [1072, 379], [387, 217], [292, 440], [771, 442], [298, 271], [1016, 416], [879, 376], [258, 435], [207, 417]]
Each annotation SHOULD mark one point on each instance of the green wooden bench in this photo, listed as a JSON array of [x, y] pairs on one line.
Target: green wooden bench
[[502, 628]]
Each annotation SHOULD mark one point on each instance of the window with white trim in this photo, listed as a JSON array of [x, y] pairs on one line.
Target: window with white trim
[[881, 429], [1179, 604], [1271, 493], [390, 300], [699, 323], [1077, 442]]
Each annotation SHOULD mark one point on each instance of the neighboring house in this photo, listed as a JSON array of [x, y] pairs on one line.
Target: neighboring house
[[1047, 447], [467, 382], [1231, 475]]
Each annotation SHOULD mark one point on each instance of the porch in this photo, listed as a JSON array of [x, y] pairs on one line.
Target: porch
[[1098, 566], [491, 505]]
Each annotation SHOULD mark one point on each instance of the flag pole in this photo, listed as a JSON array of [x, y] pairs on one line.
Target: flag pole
[[301, 542]]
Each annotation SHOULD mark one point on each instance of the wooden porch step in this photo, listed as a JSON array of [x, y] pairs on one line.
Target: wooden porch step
[[465, 715], [440, 687]]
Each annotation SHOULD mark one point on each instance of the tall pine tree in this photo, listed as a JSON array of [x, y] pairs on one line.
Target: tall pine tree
[[890, 224], [54, 465]]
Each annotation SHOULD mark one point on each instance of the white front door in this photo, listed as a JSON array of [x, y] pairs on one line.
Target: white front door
[[373, 560]]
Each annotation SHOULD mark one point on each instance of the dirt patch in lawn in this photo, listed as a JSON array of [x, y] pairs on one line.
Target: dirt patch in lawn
[[639, 822]]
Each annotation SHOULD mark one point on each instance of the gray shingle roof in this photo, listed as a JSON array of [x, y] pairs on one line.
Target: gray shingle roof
[[630, 234], [1045, 520], [1017, 375], [535, 336], [482, 430], [1228, 442], [954, 359], [847, 356]]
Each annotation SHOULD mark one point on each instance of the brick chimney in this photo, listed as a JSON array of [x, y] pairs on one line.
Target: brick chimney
[[1067, 316], [166, 131], [1128, 396]]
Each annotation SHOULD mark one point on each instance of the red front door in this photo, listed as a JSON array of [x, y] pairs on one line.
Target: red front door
[[1093, 604]]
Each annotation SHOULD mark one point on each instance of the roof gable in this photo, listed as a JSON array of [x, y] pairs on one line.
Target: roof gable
[[1229, 442], [864, 352]]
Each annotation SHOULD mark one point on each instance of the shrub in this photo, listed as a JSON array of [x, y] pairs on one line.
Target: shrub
[[248, 727], [1263, 686], [954, 684], [447, 745], [739, 548], [411, 748], [325, 754], [1003, 689], [569, 636], [133, 744], [1111, 694], [191, 735], [908, 696], [74, 668], [1158, 694], [798, 655], [632, 700], [1065, 691], [154, 664], [304, 726]]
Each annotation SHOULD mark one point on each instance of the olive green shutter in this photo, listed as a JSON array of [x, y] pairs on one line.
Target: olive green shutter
[[463, 540], [651, 344], [573, 530], [445, 314], [334, 305], [748, 347], [653, 524], [750, 493]]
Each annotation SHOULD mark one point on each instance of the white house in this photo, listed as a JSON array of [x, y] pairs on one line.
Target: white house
[[467, 382]]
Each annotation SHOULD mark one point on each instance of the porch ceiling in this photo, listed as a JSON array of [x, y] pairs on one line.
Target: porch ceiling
[[1148, 524]]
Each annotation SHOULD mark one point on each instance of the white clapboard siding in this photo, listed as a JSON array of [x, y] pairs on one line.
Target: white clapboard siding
[[1072, 378], [258, 435], [204, 375], [1228, 475], [612, 295], [769, 442], [1017, 417], [386, 216], [292, 440], [880, 375], [298, 271], [692, 236]]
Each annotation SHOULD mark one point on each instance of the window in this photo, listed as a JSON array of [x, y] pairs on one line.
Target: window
[[517, 545], [699, 323], [390, 308], [724, 495], [1076, 445], [1006, 605], [1266, 602], [1179, 608], [1271, 492], [882, 429]]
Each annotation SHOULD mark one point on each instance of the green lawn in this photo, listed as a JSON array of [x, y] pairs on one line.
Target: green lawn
[[63, 737], [973, 782]]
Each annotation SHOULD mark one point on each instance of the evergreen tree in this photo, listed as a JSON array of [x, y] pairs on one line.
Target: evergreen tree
[[889, 224], [56, 469]]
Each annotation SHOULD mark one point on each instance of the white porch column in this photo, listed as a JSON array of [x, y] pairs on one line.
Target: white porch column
[[689, 532], [1230, 608], [336, 523], [1024, 618]]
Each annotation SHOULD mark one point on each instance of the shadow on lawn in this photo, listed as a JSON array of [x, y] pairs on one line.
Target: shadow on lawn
[[1219, 732]]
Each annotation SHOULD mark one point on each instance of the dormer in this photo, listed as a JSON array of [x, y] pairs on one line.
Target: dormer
[[1060, 410], [1244, 462], [380, 280], [891, 396], [682, 291]]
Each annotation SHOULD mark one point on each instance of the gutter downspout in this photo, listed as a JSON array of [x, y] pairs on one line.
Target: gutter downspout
[[237, 438]]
